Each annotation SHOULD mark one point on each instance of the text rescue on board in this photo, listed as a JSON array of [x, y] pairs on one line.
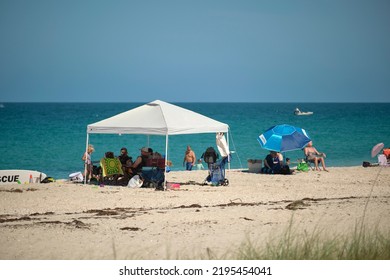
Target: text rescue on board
[[13, 179]]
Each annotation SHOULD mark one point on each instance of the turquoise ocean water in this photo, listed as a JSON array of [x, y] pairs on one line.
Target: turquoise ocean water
[[51, 137]]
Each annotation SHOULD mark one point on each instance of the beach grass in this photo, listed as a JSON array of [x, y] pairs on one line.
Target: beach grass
[[360, 244]]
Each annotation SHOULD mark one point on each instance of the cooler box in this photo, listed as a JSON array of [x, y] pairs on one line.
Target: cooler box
[[254, 165]]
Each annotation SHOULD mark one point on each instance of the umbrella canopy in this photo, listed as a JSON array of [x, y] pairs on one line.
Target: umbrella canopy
[[376, 149], [283, 138]]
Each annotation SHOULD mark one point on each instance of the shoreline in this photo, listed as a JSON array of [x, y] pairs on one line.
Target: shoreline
[[293, 166], [63, 220]]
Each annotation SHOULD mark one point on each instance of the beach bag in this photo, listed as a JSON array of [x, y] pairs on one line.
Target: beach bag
[[135, 182], [76, 177], [302, 166], [382, 160], [48, 180], [210, 155]]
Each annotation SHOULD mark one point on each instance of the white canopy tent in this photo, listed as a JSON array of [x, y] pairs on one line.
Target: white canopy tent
[[157, 118]]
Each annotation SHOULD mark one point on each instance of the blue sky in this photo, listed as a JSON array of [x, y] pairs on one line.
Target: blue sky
[[195, 51]]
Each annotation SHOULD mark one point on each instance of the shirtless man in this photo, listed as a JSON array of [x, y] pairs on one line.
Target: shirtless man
[[189, 158]]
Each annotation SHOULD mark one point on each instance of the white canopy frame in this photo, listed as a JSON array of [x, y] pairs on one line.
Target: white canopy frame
[[157, 118]]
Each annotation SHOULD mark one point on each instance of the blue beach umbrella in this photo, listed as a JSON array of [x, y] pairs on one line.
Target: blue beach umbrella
[[283, 138]]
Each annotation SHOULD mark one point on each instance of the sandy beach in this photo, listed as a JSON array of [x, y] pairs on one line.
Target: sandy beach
[[64, 220]]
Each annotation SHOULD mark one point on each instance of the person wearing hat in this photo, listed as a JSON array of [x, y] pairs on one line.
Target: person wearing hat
[[136, 167]]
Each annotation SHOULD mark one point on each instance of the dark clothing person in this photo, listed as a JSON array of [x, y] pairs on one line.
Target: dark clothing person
[[140, 162], [126, 162], [272, 164], [125, 159]]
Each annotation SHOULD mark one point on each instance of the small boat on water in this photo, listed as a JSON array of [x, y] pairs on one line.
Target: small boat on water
[[298, 112]]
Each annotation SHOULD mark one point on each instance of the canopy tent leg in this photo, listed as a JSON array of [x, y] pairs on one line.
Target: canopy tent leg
[[86, 159], [227, 136], [166, 162]]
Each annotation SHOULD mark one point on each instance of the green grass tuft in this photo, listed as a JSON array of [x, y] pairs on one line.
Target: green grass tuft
[[361, 244]]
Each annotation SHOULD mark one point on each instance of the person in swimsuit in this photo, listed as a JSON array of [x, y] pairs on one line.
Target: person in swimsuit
[[189, 158], [88, 162], [315, 156]]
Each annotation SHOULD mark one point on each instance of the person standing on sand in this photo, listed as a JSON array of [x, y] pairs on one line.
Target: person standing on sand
[[88, 162], [189, 158]]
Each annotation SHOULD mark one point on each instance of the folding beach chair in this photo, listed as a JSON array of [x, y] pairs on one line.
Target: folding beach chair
[[310, 163], [111, 171]]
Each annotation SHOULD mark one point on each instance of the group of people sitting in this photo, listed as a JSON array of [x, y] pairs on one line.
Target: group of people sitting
[[130, 167], [274, 163], [119, 169]]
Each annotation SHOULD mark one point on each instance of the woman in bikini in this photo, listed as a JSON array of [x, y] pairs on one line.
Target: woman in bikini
[[315, 156]]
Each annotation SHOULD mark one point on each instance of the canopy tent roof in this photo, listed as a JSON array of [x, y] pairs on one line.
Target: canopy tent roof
[[158, 118]]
